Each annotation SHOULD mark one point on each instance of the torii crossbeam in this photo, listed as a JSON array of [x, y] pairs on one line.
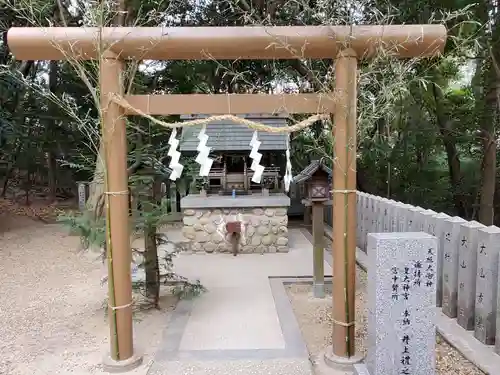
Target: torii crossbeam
[[347, 44]]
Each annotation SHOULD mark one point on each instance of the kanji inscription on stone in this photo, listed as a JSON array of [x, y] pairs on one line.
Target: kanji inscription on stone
[[401, 298]]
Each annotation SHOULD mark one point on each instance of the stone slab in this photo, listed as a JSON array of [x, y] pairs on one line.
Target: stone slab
[[393, 211], [487, 284], [234, 334], [367, 216], [403, 212], [451, 231], [386, 203], [401, 300], [421, 220], [359, 218], [245, 314], [82, 195], [361, 369], [482, 356], [379, 207], [272, 366], [291, 358], [467, 271], [374, 202], [435, 225], [217, 201], [116, 367], [411, 218]]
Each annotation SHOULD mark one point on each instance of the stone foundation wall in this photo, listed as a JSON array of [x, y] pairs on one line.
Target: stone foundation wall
[[265, 230]]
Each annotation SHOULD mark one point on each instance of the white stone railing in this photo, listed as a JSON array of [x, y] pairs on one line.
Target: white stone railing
[[468, 260]]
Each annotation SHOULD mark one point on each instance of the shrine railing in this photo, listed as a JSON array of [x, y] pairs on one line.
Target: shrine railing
[[216, 172]]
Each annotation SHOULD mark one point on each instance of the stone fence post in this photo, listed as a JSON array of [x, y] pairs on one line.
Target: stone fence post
[[467, 259], [83, 193]]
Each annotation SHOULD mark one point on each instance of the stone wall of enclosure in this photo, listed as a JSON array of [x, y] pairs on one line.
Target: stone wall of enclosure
[[467, 260], [265, 229]]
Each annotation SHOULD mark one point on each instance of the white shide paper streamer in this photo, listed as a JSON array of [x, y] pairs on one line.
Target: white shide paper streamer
[[175, 156], [203, 151], [256, 156], [287, 178]]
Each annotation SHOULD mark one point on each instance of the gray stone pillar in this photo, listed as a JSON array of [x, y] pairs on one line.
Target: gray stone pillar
[[401, 303], [82, 195], [451, 229], [487, 284], [467, 270]]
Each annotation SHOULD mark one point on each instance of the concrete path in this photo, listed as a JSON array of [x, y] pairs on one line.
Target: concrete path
[[244, 324]]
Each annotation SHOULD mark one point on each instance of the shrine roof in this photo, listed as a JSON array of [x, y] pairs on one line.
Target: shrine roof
[[230, 136], [311, 169]]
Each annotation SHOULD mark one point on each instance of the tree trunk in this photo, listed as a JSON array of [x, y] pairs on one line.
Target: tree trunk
[[445, 128], [486, 203], [25, 68], [50, 133], [489, 116], [52, 175], [488, 141], [152, 269], [15, 155]]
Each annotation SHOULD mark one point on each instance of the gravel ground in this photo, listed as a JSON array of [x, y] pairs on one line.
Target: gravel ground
[[314, 318], [51, 304]]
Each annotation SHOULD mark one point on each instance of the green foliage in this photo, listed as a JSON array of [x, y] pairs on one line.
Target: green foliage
[[180, 286], [401, 144], [85, 225], [148, 214], [91, 231]]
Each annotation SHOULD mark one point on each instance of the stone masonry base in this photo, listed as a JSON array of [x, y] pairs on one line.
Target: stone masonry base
[[265, 230]]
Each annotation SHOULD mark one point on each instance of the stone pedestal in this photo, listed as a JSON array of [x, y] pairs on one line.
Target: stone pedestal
[[112, 366], [264, 219]]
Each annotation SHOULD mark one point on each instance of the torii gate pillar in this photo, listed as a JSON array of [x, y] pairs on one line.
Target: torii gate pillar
[[342, 352], [122, 357]]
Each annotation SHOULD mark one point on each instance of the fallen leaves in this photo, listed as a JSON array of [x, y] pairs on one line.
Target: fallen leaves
[[38, 210]]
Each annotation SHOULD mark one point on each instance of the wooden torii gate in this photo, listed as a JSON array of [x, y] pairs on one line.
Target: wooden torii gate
[[112, 46]]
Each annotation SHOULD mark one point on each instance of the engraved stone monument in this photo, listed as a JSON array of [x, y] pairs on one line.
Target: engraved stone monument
[[386, 218], [403, 212], [82, 195], [411, 222], [360, 214], [393, 216], [373, 212], [421, 220], [367, 219], [467, 266], [381, 211], [451, 232], [486, 284], [401, 298], [435, 224]]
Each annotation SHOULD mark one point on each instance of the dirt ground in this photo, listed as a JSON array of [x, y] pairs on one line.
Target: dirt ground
[[51, 304], [315, 320]]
